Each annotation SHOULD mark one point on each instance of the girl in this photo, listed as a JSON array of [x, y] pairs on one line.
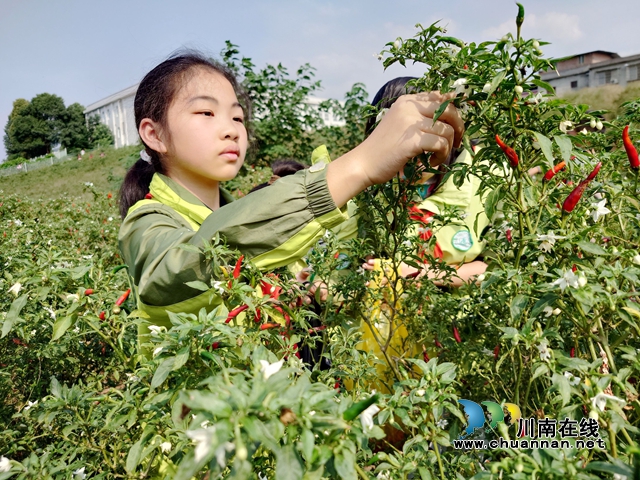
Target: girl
[[191, 116]]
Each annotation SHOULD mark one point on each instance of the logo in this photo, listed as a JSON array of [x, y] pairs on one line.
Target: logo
[[462, 240], [530, 433]]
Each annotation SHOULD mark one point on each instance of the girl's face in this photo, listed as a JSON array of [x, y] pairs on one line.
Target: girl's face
[[206, 140]]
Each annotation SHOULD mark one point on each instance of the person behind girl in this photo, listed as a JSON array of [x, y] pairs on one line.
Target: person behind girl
[[458, 243], [191, 116], [281, 168]]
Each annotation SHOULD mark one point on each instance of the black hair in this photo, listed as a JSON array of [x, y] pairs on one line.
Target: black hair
[[155, 94], [387, 95], [281, 168]]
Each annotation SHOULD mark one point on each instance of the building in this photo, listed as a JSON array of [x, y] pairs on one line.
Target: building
[[116, 112], [593, 69]]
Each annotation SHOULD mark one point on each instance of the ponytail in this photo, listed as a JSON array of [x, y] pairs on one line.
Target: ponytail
[[136, 182]]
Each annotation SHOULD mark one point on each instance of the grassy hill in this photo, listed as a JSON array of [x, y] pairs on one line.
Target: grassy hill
[[68, 179], [606, 97]]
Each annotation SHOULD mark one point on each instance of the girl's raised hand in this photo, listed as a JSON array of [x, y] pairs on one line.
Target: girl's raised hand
[[404, 132]]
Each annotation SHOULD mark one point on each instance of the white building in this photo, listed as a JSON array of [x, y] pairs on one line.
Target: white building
[[116, 112]]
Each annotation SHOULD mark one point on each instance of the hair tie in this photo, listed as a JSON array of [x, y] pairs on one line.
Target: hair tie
[[273, 179], [145, 156]]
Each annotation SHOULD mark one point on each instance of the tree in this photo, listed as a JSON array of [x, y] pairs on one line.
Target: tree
[[99, 133], [74, 134], [34, 126]]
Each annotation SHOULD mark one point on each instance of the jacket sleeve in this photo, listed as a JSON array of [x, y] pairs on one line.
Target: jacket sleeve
[[273, 226]]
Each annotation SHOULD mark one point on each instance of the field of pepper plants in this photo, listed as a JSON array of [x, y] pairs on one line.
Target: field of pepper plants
[[551, 327]]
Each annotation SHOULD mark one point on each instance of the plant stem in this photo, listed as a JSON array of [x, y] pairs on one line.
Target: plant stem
[[612, 441], [437, 452]]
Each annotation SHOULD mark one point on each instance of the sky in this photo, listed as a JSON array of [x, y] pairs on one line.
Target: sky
[[85, 50]]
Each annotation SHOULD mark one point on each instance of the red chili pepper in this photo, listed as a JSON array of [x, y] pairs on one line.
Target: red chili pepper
[[336, 385], [267, 326], [148, 196], [595, 171], [339, 307], [313, 330], [572, 353], [425, 356], [235, 312], [215, 345], [456, 334], [496, 352], [632, 153], [574, 269], [574, 197], [88, 291], [287, 318], [102, 315], [258, 315], [123, 297], [552, 173], [509, 152], [437, 343], [236, 271], [509, 235], [271, 290]]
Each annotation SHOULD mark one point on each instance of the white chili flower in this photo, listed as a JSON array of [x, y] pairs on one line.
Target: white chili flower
[[397, 44], [536, 44], [442, 423], [599, 125], [565, 125], [221, 454], [30, 404], [518, 89], [79, 473], [592, 123], [460, 86], [18, 223], [599, 210], [217, 286], [600, 401], [52, 314], [202, 438], [366, 417], [550, 237], [557, 311], [486, 88], [157, 351], [165, 447], [541, 258], [582, 280], [548, 311], [110, 219], [269, 369], [568, 279], [487, 352], [15, 289], [573, 380], [5, 464], [381, 114], [421, 392], [88, 184], [156, 330], [545, 351], [546, 247], [636, 259], [584, 131], [378, 56]]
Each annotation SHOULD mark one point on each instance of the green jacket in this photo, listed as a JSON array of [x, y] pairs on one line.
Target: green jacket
[[273, 227]]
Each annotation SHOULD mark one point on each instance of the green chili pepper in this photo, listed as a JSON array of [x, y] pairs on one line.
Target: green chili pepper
[[357, 408]]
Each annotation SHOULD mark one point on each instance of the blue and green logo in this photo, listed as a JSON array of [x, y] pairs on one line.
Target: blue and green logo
[[495, 413]]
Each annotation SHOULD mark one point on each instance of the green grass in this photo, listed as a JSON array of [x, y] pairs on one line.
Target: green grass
[[68, 179], [606, 97]]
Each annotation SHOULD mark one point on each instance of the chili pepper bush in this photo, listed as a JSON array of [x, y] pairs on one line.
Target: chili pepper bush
[[551, 327]]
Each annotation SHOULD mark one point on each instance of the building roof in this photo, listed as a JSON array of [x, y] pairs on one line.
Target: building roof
[[569, 57], [127, 92]]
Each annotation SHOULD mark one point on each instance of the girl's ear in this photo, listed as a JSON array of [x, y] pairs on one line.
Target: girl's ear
[[151, 135]]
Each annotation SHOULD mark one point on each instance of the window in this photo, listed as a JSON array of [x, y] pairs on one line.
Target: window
[[574, 84], [580, 59], [634, 72], [602, 78]]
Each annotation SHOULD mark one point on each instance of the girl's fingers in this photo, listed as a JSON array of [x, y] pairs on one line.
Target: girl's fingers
[[428, 104], [430, 142], [439, 128]]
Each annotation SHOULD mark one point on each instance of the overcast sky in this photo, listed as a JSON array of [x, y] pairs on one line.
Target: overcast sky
[[85, 50]]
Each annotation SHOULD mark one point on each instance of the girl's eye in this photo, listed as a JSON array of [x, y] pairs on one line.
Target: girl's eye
[[208, 114], [238, 119]]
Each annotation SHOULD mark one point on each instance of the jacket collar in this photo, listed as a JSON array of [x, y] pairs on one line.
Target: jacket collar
[[170, 193]]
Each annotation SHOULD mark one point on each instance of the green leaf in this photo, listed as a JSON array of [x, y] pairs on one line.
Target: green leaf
[[592, 248], [496, 81], [15, 309], [344, 462], [207, 401], [162, 372], [198, 285], [541, 370], [518, 304], [56, 388], [545, 146], [566, 147], [561, 384], [133, 458], [546, 86], [547, 300], [307, 442], [620, 469], [181, 358], [62, 325], [441, 110], [492, 201], [288, 464]]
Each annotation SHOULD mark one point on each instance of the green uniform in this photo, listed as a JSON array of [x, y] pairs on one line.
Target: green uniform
[[273, 227]]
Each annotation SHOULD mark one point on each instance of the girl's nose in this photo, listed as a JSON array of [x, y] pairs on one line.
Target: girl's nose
[[230, 129]]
